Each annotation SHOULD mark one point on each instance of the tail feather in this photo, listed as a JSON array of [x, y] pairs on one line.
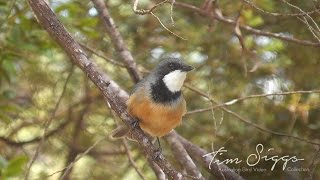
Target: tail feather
[[120, 132]]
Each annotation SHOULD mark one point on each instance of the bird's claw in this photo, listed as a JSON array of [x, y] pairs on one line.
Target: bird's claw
[[134, 123], [157, 153]]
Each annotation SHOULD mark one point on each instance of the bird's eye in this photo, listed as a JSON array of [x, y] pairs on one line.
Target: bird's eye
[[171, 66]]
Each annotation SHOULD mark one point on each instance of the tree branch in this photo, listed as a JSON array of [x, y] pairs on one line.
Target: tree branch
[[113, 94], [244, 120], [219, 17], [220, 171], [182, 156], [117, 39]]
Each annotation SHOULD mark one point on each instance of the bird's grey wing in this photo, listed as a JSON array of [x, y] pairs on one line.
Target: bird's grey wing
[[140, 84]]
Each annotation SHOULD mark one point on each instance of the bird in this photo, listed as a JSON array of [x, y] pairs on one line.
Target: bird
[[156, 102]]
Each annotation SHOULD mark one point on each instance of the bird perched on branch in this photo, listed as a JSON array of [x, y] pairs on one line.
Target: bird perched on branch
[[156, 101]]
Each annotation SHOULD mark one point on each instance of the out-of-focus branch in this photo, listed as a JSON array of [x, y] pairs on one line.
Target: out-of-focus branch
[[278, 14], [117, 39], [234, 101], [113, 94], [182, 156], [147, 11], [220, 171], [157, 170], [79, 156], [47, 124], [133, 164], [150, 11], [34, 140], [101, 55], [242, 119], [218, 16], [78, 123]]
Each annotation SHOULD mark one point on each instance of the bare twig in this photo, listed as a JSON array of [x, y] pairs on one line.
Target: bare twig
[[108, 59], [311, 29], [150, 11], [248, 121], [305, 13], [66, 169], [278, 14], [47, 124], [36, 139], [171, 12], [234, 101], [78, 123], [223, 19], [146, 11], [166, 27], [117, 39]]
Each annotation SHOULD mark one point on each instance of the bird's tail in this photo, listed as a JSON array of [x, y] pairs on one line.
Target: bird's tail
[[120, 132]]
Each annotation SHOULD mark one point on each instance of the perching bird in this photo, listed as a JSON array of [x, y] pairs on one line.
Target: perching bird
[[156, 101]]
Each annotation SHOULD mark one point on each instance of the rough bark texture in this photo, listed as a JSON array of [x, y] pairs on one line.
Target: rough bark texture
[[114, 95]]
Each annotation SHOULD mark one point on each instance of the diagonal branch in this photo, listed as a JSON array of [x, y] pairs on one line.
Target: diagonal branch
[[221, 171], [117, 39], [247, 121], [113, 94], [219, 17], [182, 156]]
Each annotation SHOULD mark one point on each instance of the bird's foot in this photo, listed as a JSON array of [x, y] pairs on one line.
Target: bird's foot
[[134, 123], [158, 151]]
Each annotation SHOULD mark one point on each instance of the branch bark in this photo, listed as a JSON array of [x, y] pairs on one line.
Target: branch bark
[[113, 94], [220, 171], [117, 40], [182, 156]]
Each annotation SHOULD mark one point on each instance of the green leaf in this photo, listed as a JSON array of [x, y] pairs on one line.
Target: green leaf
[[15, 166], [251, 19], [275, 45]]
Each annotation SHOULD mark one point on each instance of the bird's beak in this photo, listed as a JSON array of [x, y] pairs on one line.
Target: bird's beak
[[187, 68]]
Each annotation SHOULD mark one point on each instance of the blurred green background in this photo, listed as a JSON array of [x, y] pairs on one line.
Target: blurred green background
[[34, 73]]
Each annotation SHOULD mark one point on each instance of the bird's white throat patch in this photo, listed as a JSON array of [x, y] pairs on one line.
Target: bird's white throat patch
[[174, 80]]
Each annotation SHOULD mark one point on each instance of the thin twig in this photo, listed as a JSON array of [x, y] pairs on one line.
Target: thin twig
[[234, 101], [305, 13], [223, 19], [79, 156], [108, 59], [278, 14], [166, 27], [146, 11], [171, 12], [248, 121], [48, 122], [311, 29], [117, 40]]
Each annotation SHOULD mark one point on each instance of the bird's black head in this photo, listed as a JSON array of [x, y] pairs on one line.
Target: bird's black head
[[171, 64], [168, 78]]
